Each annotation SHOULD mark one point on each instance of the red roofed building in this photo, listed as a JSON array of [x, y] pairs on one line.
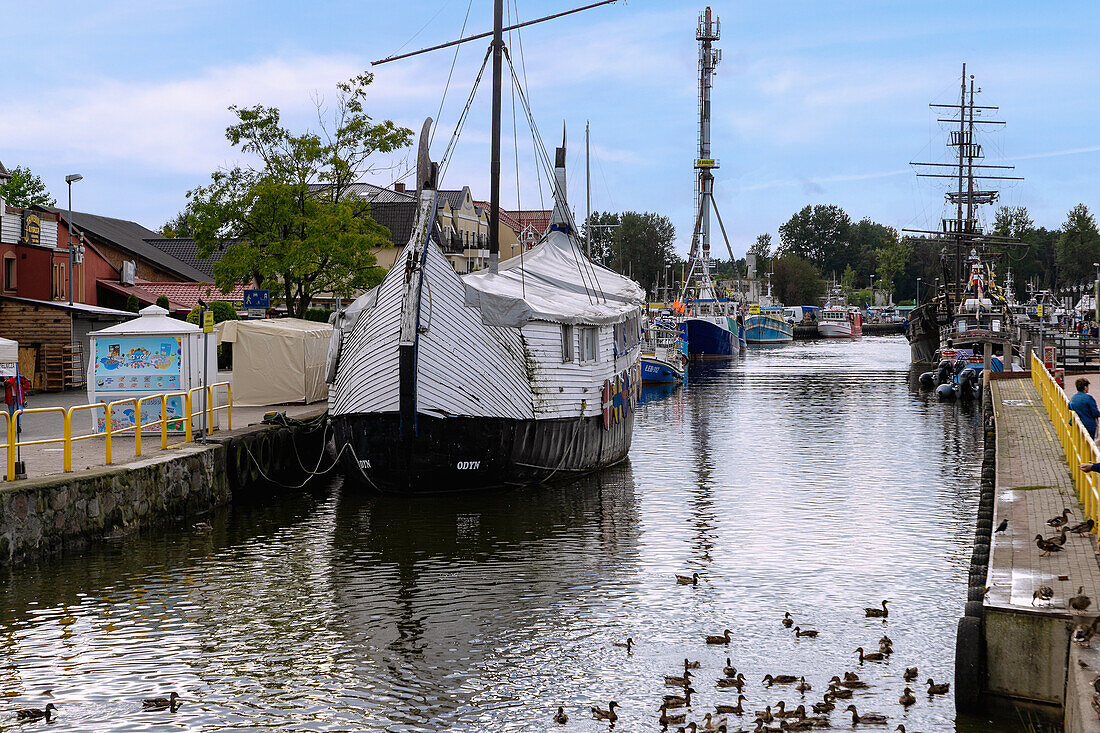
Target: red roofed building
[[182, 296]]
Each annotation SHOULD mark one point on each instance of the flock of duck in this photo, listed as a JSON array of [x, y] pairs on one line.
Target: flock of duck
[[676, 707], [30, 715]]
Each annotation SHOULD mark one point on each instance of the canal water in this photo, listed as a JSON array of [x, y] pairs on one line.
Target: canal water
[[812, 478]]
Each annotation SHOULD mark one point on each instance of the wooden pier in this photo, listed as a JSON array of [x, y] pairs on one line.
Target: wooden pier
[[1027, 656]]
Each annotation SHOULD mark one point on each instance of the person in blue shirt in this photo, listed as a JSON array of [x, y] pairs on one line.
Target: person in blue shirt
[[1085, 406]]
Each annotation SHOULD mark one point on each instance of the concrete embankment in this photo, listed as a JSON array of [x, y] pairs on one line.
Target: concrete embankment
[[46, 514], [869, 329], [1015, 643]]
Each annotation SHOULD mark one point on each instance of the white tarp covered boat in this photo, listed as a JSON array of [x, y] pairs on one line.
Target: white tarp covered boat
[[445, 383]]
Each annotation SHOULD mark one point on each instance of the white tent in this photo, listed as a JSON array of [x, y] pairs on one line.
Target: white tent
[[9, 358], [276, 361]]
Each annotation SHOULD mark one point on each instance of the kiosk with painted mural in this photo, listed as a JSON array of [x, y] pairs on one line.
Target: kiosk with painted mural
[[149, 355]]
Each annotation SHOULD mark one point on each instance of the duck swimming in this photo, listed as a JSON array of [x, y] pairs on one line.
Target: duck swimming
[[608, 714], [788, 622], [868, 718], [724, 639], [692, 579], [877, 612], [907, 698], [872, 657], [934, 689], [624, 644], [28, 714], [160, 703], [561, 718]]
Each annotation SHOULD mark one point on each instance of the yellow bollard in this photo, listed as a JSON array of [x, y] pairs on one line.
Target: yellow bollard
[[187, 422], [10, 474]]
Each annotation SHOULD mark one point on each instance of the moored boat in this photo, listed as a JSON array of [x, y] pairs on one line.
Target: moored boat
[[522, 373], [664, 354], [767, 326]]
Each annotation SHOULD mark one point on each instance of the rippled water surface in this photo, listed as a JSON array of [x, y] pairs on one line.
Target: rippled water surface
[[809, 478]]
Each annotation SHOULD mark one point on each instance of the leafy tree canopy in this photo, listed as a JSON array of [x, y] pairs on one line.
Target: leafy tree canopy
[[797, 281], [25, 189], [178, 227], [222, 310], [638, 245], [285, 221], [1078, 246]]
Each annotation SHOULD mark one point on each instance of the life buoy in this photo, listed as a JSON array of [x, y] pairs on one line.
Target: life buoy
[[261, 452], [242, 463]]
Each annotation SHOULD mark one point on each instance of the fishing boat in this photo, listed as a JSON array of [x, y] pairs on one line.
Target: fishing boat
[[522, 373], [664, 354], [767, 325], [839, 320]]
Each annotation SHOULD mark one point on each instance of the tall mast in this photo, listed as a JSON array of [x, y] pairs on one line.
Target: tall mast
[[708, 31], [587, 195], [963, 232], [494, 166]]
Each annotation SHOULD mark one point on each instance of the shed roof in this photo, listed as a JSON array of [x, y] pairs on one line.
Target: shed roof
[[81, 308], [131, 237]]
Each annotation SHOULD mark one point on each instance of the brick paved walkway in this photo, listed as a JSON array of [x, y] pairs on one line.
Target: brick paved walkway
[[1033, 485]]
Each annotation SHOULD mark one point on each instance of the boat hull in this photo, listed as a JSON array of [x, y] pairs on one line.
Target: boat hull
[[840, 329], [658, 371], [454, 454], [767, 330], [709, 339]]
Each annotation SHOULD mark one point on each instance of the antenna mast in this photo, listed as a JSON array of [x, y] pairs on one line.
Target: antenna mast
[[708, 31]]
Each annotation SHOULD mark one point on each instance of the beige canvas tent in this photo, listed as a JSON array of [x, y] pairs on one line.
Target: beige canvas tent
[[277, 360]]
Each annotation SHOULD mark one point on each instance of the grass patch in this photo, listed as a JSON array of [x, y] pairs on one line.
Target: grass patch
[[1032, 488]]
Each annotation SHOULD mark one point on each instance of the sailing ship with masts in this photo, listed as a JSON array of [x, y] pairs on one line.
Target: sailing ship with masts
[[522, 373], [966, 310]]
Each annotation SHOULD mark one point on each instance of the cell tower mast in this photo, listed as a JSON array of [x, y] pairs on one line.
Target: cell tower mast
[[708, 31]]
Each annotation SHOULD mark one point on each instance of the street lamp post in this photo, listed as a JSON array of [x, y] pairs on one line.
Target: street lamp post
[[70, 180], [872, 291], [916, 298]]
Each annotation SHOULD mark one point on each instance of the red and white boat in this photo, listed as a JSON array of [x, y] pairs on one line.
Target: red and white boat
[[838, 320], [840, 323]]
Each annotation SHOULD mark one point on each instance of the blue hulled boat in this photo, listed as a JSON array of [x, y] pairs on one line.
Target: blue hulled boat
[[664, 354], [768, 326]]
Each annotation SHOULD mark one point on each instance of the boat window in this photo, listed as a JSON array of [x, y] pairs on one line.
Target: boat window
[[590, 344], [566, 343]]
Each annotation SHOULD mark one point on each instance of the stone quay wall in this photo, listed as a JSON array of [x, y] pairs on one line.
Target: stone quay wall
[[41, 515]]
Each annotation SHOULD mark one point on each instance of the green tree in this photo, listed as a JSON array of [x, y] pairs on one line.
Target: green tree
[[25, 189], [819, 234], [286, 221], [643, 246], [223, 311], [132, 304], [797, 281], [162, 301], [600, 230], [178, 227], [891, 257], [762, 248], [1012, 221], [1078, 246]]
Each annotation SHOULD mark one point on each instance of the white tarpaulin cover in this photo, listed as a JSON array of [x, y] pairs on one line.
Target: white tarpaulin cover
[[277, 360], [9, 357], [555, 282]]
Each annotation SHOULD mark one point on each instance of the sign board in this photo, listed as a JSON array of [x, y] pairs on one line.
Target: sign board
[[208, 322], [754, 308], [706, 163], [256, 313], [257, 299], [32, 228], [137, 364]]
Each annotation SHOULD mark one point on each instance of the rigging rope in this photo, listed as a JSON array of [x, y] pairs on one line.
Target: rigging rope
[[445, 160], [446, 88]]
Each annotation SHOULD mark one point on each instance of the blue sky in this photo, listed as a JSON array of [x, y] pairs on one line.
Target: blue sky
[[814, 102]]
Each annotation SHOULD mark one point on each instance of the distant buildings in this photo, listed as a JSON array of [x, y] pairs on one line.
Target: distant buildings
[[463, 225]]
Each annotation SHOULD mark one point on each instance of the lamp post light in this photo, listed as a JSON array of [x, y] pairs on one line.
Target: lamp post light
[[70, 180]]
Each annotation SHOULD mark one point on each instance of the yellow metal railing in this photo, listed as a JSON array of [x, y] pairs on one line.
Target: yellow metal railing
[[1077, 444], [110, 431]]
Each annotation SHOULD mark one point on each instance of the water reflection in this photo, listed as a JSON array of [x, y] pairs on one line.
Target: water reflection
[[810, 478]]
